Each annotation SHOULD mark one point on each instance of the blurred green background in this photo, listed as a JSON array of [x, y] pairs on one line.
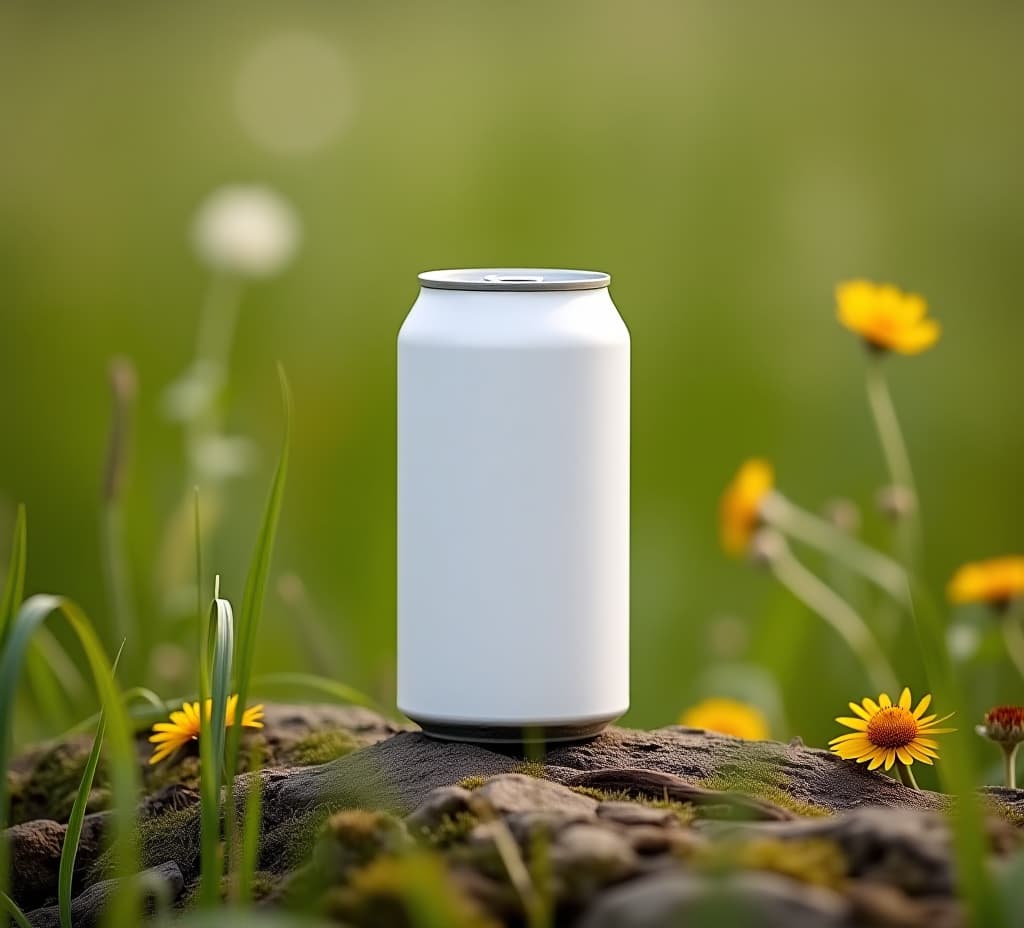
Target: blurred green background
[[727, 163]]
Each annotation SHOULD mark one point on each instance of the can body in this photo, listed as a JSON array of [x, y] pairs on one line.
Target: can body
[[513, 508]]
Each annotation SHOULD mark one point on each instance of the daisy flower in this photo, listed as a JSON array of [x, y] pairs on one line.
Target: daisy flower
[[996, 582], [727, 717], [739, 512], [885, 734], [184, 726], [885, 317]]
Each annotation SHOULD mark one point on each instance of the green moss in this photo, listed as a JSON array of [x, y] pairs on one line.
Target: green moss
[[290, 844], [530, 768], [353, 837], [811, 860], [760, 775], [182, 768], [452, 829], [171, 836], [403, 892], [473, 782], [318, 747], [50, 788], [683, 811], [264, 884], [604, 795], [1000, 810]]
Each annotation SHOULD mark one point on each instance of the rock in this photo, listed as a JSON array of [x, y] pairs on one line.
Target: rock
[[632, 813], [35, 849], [668, 900], [516, 792], [651, 840], [444, 801], [45, 778], [162, 887], [586, 857], [879, 904], [526, 826], [910, 851], [889, 840], [783, 781], [769, 770]]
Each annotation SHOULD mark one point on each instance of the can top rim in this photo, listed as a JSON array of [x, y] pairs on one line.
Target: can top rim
[[512, 279]]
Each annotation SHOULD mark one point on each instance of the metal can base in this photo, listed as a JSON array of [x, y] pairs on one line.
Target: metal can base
[[511, 735]]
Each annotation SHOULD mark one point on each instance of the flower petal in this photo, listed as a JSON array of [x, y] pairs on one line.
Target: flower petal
[[884, 701], [168, 736], [916, 338], [918, 754], [905, 699], [890, 758], [872, 706], [849, 736], [859, 710], [922, 705], [904, 756], [855, 724]]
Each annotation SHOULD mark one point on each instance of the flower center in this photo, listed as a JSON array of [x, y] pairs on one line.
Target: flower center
[[892, 728]]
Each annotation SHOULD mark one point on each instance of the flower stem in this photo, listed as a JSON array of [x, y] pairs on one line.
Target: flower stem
[[804, 526], [1013, 637], [1010, 764], [115, 566], [906, 775], [897, 459], [822, 599]]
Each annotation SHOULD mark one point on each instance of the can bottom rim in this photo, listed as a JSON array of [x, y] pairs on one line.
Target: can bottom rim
[[513, 734]]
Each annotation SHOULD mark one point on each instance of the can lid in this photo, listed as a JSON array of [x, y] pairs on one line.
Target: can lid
[[514, 279]]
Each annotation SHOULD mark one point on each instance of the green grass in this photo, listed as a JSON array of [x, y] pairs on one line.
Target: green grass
[[124, 775], [11, 908], [251, 612], [334, 690], [218, 656], [69, 850], [14, 586], [251, 831]]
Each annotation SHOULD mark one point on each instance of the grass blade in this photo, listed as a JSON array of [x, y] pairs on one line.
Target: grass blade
[[11, 908], [14, 588], [957, 773], [73, 832], [218, 655], [336, 691], [252, 606], [124, 773], [256, 581], [252, 818], [140, 717], [204, 670]]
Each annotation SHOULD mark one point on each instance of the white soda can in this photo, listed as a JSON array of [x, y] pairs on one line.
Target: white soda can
[[513, 506]]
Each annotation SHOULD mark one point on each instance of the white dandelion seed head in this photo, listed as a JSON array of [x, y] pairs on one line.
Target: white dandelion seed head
[[246, 230]]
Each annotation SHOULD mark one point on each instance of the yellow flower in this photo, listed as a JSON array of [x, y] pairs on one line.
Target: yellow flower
[[885, 317], [884, 733], [996, 582], [727, 717], [184, 726], [739, 511]]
